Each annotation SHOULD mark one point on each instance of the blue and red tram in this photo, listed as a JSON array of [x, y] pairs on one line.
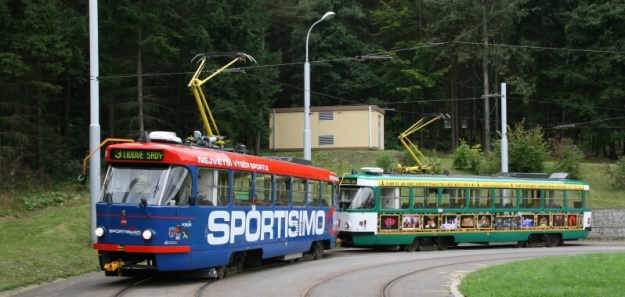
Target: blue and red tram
[[169, 206]]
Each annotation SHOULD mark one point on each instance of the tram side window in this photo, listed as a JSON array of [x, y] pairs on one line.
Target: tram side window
[[404, 197], [212, 187], [530, 199], [389, 198], [506, 198], [480, 198], [327, 194], [314, 194], [419, 197], [283, 190], [242, 191], [574, 199], [554, 199], [453, 198], [298, 192], [264, 186]]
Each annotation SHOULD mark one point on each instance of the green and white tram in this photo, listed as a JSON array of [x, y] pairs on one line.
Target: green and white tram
[[422, 212]]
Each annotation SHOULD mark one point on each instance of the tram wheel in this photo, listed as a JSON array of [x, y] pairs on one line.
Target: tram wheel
[[239, 261], [443, 243], [414, 246], [221, 272], [520, 244], [552, 240], [317, 250]]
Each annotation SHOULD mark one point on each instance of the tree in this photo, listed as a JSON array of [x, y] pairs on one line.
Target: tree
[[527, 151]]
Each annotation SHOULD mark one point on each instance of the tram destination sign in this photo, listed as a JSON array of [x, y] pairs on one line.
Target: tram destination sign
[[137, 155]]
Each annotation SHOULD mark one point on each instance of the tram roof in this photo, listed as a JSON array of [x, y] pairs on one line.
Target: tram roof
[[460, 181], [183, 154]]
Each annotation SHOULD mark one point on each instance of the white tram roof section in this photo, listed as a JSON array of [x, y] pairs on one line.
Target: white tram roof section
[[375, 179]]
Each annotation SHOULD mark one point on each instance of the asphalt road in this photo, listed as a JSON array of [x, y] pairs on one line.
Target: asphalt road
[[341, 272]]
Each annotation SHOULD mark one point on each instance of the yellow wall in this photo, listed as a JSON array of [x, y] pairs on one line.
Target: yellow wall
[[353, 127]]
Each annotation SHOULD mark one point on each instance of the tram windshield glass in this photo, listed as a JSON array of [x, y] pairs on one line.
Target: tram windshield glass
[[357, 198], [156, 185]]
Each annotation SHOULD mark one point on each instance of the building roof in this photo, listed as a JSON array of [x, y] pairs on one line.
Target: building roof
[[330, 108]]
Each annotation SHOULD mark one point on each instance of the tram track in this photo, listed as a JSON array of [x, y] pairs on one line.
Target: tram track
[[132, 286], [386, 287], [146, 286], [200, 291], [386, 290], [135, 288]]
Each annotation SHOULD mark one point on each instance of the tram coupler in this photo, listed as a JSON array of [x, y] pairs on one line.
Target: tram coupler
[[113, 266]]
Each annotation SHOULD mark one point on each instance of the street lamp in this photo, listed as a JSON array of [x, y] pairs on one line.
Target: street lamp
[[307, 149]]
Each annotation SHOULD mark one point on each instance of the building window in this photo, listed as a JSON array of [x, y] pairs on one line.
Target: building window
[[326, 139], [326, 116]]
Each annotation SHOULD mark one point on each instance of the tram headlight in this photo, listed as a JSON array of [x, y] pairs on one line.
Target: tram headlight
[[347, 225], [99, 232], [147, 234]]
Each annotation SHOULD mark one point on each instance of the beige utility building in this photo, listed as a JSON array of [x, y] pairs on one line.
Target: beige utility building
[[331, 127]]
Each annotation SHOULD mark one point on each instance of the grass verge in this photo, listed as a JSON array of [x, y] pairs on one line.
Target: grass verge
[[47, 245], [580, 275]]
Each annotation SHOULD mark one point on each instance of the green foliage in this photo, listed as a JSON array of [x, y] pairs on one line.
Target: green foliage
[[527, 151], [386, 162], [617, 173], [467, 158], [436, 165], [38, 200], [146, 50], [568, 157], [492, 162]]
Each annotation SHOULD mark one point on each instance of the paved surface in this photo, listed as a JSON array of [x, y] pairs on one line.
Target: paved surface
[[341, 272]]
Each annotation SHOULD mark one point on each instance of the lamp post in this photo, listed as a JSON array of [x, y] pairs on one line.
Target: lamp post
[[307, 141]]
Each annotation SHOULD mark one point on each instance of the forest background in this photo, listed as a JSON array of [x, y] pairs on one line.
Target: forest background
[[563, 62]]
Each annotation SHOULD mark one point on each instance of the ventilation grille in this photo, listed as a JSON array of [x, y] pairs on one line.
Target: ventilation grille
[[326, 139], [326, 115]]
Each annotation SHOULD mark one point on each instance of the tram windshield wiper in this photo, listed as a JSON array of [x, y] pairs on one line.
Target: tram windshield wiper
[[146, 199]]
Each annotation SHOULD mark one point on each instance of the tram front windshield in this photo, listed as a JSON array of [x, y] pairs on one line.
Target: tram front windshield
[[357, 198], [156, 185]]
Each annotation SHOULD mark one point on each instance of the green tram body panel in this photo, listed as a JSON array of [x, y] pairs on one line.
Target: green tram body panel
[[405, 205], [391, 239]]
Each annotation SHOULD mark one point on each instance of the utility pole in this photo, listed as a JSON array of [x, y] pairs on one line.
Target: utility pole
[[486, 140]]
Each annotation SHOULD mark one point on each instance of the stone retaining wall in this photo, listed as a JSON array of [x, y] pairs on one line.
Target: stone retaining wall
[[608, 224]]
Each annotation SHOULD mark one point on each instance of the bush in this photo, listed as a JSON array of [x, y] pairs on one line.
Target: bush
[[492, 163], [385, 162], [467, 158], [40, 200], [527, 151], [436, 165], [618, 173], [567, 156]]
